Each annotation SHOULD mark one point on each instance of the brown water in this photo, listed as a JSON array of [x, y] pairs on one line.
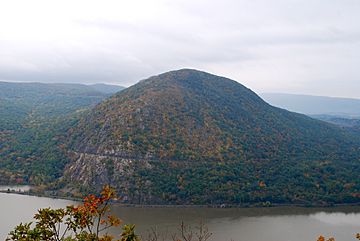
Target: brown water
[[247, 224]]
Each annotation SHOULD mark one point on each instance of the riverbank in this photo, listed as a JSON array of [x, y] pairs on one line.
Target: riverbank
[[244, 205]]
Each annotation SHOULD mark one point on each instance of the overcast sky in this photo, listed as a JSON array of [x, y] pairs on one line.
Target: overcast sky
[[293, 46]]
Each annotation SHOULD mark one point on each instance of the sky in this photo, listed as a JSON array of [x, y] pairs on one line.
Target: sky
[[289, 46]]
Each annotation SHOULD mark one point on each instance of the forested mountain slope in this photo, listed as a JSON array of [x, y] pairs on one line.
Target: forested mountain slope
[[33, 119], [189, 137]]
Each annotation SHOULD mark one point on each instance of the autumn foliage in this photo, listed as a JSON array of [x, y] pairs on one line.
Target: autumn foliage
[[322, 238]]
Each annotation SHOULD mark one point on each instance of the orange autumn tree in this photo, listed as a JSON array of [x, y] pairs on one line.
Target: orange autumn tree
[[322, 238], [86, 222]]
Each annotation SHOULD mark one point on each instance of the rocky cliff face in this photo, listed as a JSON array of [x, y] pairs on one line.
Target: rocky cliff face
[[116, 171]]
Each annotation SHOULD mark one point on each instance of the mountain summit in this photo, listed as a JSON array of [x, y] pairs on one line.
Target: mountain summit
[[188, 136]]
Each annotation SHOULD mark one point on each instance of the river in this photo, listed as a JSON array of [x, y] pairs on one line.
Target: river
[[243, 224]]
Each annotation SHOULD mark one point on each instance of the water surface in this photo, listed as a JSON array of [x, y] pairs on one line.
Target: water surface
[[15, 188], [246, 224]]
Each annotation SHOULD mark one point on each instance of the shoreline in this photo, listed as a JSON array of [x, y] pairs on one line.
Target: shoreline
[[221, 206]]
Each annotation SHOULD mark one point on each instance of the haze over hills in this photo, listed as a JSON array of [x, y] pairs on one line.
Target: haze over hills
[[189, 137], [106, 88], [315, 105], [344, 112]]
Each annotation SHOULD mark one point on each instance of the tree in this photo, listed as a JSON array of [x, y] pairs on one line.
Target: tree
[[322, 238], [86, 222]]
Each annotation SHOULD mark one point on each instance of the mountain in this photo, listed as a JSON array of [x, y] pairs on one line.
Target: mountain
[[33, 119], [315, 105], [190, 137]]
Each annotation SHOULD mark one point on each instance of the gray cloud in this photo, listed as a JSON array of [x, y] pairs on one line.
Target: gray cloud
[[292, 46]]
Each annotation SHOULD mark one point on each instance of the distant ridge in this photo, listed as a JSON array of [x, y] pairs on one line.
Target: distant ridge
[[38, 86], [315, 105], [107, 88]]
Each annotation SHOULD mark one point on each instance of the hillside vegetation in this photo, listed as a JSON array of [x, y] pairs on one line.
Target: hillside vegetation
[[34, 118], [189, 137]]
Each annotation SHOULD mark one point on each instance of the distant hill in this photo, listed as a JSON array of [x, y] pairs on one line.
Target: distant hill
[[315, 105], [18, 100], [106, 88], [351, 124], [190, 137], [23, 99], [33, 118]]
